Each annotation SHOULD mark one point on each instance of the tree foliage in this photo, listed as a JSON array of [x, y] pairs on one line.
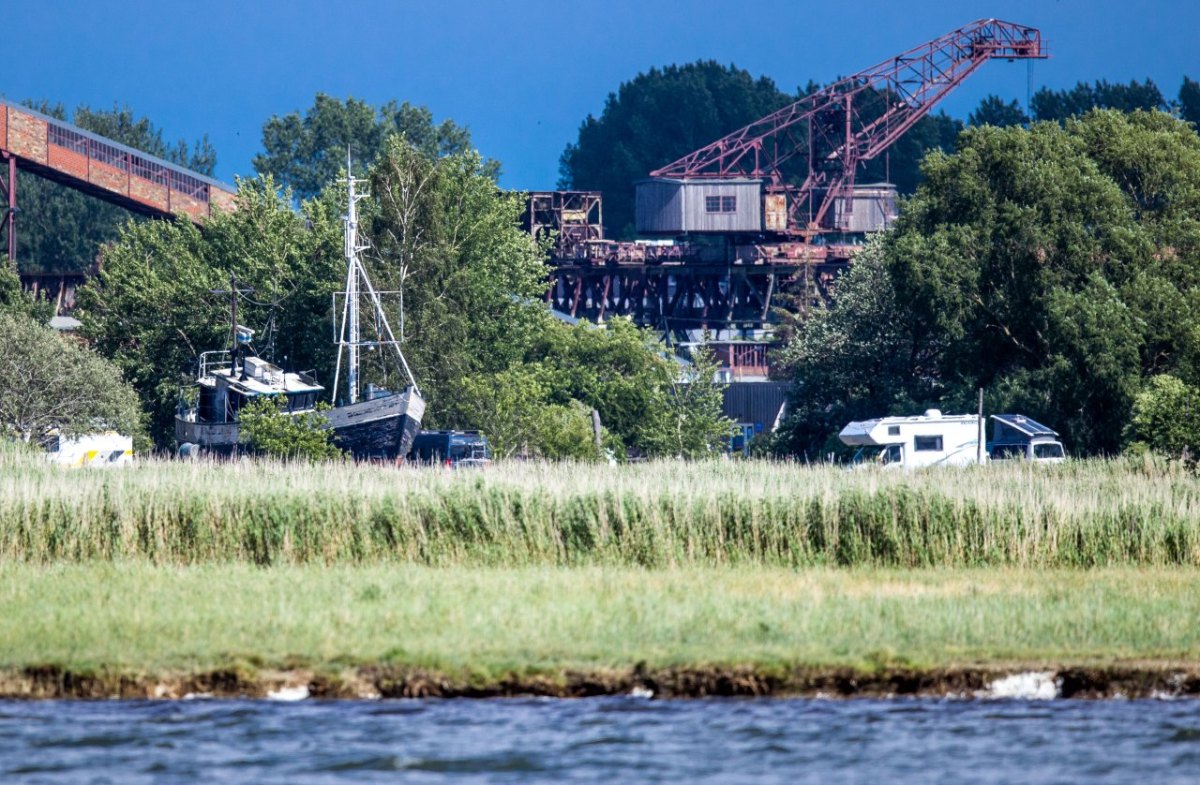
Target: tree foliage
[[60, 229], [48, 383], [993, 110], [1054, 266], [1189, 102], [689, 422], [270, 430], [306, 152], [1166, 418], [1059, 105]]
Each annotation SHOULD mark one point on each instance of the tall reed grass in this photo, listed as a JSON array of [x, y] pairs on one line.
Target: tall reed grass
[[1081, 514]]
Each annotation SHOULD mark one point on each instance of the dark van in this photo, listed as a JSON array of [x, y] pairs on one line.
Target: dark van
[[452, 448]]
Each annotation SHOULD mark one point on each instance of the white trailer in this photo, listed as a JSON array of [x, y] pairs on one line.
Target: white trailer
[[930, 439]]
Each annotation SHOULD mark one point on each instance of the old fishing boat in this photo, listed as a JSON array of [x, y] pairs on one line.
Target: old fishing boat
[[369, 422]]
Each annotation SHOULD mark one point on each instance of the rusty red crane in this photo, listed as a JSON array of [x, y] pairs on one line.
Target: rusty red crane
[[848, 123]]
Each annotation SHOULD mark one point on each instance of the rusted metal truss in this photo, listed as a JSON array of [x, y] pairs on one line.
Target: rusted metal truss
[[853, 120], [688, 296], [573, 218]]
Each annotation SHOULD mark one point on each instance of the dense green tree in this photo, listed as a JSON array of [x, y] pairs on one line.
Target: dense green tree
[[156, 304], [60, 229], [307, 152], [269, 429], [1053, 266], [1189, 102], [48, 384], [993, 110], [1166, 418], [1058, 105], [444, 236], [14, 301], [688, 421]]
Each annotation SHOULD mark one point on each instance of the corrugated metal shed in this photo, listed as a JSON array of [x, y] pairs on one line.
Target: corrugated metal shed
[[874, 209], [755, 403], [674, 206]]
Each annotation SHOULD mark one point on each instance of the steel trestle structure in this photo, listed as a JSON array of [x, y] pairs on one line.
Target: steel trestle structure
[[725, 282]]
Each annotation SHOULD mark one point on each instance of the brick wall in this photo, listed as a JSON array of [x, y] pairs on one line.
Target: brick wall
[[222, 199], [68, 161], [109, 177], [193, 208], [147, 192], [27, 136]]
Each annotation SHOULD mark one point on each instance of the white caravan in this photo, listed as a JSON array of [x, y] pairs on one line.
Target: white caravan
[[930, 439]]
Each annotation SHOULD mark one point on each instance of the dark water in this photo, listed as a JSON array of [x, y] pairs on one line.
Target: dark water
[[617, 740]]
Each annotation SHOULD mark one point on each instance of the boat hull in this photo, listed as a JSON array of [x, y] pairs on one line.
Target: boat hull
[[380, 428]]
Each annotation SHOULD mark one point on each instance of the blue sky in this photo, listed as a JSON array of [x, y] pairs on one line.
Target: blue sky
[[523, 74]]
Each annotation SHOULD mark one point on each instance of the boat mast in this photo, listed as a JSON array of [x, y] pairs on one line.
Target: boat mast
[[349, 336], [353, 270]]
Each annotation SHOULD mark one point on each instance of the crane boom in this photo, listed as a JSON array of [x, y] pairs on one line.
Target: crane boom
[[853, 120]]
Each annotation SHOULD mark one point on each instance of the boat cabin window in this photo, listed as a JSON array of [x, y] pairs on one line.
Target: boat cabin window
[[206, 408], [300, 402], [1048, 450], [927, 443]]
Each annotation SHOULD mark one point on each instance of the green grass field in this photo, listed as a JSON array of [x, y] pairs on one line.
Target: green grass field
[[173, 566], [488, 621]]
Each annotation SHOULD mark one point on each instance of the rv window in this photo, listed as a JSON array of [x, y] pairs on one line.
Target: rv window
[[893, 430], [1002, 452], [1049, 450], [927, 443], [891, 454]]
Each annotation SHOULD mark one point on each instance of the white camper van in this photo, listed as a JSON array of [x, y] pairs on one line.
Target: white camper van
[[930, 439]]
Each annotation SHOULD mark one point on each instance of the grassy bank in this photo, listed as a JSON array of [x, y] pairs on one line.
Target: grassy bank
[[489, 622], [1083, 514]]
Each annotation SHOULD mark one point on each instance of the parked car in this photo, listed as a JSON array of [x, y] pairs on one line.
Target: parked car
[[451, 448]]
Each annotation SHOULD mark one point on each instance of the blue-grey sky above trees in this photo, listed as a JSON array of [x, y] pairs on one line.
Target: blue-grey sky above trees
[[522, 74]]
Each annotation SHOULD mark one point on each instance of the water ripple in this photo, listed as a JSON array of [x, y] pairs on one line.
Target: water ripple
[[619, 739]]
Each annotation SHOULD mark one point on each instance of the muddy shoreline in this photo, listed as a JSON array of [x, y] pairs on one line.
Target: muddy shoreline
[[374, 682]]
